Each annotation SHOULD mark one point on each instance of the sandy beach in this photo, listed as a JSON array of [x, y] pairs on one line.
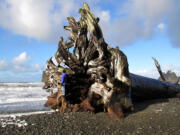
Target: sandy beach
[[156, 117]]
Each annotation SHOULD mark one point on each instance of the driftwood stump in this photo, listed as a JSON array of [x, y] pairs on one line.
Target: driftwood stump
[[98, 75]]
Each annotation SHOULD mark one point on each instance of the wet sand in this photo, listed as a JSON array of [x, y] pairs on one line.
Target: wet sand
[[156, 117]]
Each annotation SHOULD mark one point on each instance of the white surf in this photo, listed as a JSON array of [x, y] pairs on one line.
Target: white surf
[[22, 97]]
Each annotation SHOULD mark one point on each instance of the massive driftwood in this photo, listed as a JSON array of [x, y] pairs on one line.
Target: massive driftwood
[[98, 75]]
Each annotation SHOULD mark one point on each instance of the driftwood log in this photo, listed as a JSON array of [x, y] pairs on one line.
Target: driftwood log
[[98, 75]]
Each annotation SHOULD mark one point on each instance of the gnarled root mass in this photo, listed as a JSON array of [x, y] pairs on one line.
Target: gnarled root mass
[[98, 75]]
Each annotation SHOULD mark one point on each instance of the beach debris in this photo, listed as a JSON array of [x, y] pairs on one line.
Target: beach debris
[[12, 120], [158, 110], [98, 74]]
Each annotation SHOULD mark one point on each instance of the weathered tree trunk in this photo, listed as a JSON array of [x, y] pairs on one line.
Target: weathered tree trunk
[[144, 88], [98, 75]]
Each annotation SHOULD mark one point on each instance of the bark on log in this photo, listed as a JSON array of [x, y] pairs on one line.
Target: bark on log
[[98, 75]]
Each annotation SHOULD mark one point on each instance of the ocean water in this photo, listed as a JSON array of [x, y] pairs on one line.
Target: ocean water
[[22, 97]]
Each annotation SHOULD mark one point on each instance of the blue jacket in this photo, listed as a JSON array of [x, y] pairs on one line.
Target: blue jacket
[[63, 78]]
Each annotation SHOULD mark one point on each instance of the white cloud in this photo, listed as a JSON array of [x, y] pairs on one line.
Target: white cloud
[[161, 26], [3, 65], [153, 73], [19, 68], [44, 19], [104, 16], [19, 65], [21, 59], [38, 19], [172, 68], [147, 73], [139, 19]]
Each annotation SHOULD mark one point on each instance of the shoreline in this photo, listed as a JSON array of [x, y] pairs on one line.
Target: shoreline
[[161, 116], [20, 107], [19, 114]]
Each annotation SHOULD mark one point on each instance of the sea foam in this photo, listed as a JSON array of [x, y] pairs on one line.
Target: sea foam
[[16, 97]]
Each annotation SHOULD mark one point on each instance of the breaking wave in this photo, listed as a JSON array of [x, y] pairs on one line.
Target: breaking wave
[[22, 96]]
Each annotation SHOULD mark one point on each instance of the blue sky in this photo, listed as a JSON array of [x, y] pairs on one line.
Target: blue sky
[[30, 30]]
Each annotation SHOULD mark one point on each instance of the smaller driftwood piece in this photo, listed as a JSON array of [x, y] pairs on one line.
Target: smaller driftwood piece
[[159, 69]]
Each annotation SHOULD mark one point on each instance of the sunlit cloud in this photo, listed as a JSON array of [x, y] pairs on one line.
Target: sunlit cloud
[[21, 59], [37, 19], [153, 73], [44, 19], [161, 26], [20, 64]]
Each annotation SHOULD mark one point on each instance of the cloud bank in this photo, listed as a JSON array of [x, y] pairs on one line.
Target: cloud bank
[[20, 68], [40, 19], [21, 59], [140, 19], [137, 20], [153, 73]]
